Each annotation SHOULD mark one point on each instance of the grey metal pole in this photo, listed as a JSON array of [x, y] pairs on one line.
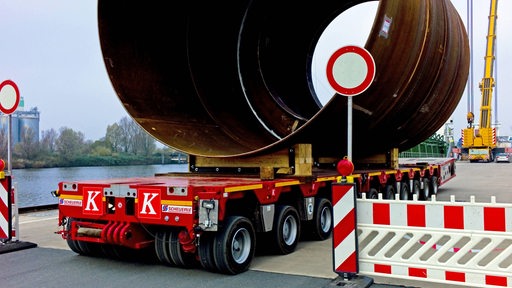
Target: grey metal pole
[[349, 128], [9, 144]]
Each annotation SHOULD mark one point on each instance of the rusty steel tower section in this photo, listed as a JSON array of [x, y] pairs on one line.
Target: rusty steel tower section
[[224, 79]]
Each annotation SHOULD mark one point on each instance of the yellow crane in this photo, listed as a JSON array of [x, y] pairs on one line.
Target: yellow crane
[[481, 142]]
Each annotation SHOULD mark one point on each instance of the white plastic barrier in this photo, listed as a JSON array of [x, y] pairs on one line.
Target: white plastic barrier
[[462, 243]]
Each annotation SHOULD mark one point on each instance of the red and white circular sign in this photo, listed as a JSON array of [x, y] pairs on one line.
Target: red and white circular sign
[[9, 97], [350, 70]]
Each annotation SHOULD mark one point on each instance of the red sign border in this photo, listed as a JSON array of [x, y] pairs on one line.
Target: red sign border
[[15, 106], [370, 63]]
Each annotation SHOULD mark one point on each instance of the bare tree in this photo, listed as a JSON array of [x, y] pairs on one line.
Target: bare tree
[[143, 143], [49, 140], [3, 144], [127, 126], [128, 137], [114, 136], [28, 147]]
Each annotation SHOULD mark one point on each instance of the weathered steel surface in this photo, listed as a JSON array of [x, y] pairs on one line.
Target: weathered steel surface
[[231, 78]]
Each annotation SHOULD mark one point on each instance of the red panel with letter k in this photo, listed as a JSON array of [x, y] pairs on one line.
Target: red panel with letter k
[[93, 201], [149, 203]]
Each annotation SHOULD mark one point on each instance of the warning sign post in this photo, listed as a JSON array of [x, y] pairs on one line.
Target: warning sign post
[[9, 101], [350, 71]]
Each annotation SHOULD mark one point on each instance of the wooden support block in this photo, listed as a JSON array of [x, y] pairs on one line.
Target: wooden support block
[[393, 161], [303, 160], [267, 173]]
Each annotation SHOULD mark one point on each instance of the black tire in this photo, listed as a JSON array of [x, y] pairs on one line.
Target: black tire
[[425, 192], [205, 250], [373, 194], [416, 189], [72, 244], [404, 191], [389, 192], [235, 245], [322, 219], [286, 230], [433, 185], [161, 248], [179, 257]]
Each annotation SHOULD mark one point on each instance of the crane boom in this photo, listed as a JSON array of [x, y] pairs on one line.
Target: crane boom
[[487, 84], [481, 142]]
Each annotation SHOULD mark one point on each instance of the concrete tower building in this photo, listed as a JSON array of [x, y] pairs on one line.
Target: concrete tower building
[[21, 121]]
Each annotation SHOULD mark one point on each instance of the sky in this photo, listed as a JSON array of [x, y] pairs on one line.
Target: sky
[[51, 50]]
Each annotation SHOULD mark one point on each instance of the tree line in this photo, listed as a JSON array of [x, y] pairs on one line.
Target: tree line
[[125, 143]]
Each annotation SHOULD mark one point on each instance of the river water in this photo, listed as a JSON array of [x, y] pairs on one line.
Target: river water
[[34, 186]]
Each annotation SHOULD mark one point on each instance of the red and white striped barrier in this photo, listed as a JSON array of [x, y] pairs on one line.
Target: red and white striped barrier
[[5, 207], [344, 232], [462, 243]]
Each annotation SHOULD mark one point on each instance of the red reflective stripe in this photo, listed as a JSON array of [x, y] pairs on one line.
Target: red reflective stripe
[[349, 265], [454, 217], [494, 219], [344, 228], [416, 215], [338, 191], [4, 210], [455, 276], [381, 213], [418, 272], [380, 268], [496, 280]]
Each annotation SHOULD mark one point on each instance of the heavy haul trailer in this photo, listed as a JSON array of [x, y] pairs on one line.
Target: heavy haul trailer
[[219, 221], [263, 148]]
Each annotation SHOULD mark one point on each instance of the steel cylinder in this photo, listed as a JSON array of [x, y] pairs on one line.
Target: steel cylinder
[[233, 78]]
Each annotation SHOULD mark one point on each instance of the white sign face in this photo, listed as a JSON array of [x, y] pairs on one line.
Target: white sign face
[[350, 70], [9, 97]]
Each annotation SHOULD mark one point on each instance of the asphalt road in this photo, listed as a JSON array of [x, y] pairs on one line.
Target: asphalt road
[[51, 264], [481, 180]]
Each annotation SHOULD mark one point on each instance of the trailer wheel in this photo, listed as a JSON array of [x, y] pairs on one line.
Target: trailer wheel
[[285, 234], [205, 250], [373, 194], [404, 191], [433, 186], [72, 244], [416, 189], [234, 247], [389, 192], [178, 256], [161, 244], [322, 220], [425, 192]]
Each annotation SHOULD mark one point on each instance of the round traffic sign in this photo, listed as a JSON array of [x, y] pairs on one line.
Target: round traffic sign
[[9, 97], [350, 70]]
